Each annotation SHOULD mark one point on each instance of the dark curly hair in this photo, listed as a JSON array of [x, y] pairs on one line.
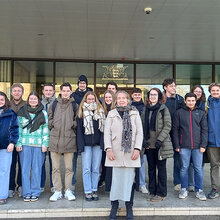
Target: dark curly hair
[[161, 97]]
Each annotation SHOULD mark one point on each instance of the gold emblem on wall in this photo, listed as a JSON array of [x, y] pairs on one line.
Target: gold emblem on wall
[[115, 72]]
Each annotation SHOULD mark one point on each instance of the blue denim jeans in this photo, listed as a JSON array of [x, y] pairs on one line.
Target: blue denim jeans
[[191, 175], [75, 157], [5, 166], [197, 158], [91, 160], [43, 174], [31, 159], [142, 171]]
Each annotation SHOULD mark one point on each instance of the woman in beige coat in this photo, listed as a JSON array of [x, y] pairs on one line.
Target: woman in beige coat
[[123, 136]]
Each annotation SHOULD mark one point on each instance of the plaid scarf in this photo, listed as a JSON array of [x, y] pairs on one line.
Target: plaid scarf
[[90, 113]]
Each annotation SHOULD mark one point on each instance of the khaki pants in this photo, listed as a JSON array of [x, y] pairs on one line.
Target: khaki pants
[[56, 176], [214, 157]]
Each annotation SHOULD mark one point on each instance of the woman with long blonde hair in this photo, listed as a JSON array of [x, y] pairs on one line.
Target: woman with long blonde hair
[[90, 128]]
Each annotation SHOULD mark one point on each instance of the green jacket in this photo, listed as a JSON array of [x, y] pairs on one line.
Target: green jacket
[[38, 138], [163, 127]]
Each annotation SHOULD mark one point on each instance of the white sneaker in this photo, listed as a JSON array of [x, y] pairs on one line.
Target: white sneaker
[[57, 195], [11, 193], [52, 189], [42, 189], [144, 190], [183, 193], [20, 191], [69, 195], [177, 187]]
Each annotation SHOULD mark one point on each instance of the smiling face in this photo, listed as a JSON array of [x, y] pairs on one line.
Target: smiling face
[[33, 101], [48, 91], [65, 92], [215, 92], [170, 89], [90, 99], [122, 100], [112, 88], [136, 97], [153, 97], [198, 92], [2, 100], [108, 98], [16, 93], [190, 102], [82, 85]]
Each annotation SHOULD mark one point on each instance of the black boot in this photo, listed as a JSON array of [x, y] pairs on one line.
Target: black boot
[[114, 210], [129, 211]]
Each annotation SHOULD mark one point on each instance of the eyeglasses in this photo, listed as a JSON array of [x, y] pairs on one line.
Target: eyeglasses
[[154, 95]]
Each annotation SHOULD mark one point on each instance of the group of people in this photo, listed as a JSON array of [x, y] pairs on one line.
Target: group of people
[[115, 136]]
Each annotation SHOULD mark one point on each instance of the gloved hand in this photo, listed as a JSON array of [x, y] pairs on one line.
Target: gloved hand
[[158, 144]]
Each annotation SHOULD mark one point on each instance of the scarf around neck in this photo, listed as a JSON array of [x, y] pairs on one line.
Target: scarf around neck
[[124, 112], [90, 113], [39, 120], [152, 124]]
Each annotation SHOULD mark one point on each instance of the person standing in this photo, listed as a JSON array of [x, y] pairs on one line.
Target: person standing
[[78, 96], [123, 137], [213, 149], [108, 104], [139, 104], [62, 125], [200, 103], [157, 125], [17, 91], [9, 134], [190, 133], [47, 99], [90, 127], [173, 103], [32, 145]]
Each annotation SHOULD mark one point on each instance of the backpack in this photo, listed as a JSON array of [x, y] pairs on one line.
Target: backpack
[[73, 104]]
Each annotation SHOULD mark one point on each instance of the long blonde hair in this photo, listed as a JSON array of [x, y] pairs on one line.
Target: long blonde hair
[[99, 106], [112, 104]]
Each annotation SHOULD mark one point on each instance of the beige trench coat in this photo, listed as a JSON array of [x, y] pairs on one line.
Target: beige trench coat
[[113, 138]]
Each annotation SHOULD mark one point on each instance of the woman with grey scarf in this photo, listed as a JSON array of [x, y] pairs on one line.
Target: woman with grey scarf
[[123, 136]]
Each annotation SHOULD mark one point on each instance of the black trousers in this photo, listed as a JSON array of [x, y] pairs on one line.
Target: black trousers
[[15, 159], [157, 184]]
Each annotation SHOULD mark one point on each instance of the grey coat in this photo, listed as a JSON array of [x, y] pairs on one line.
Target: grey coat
[[163, 127]]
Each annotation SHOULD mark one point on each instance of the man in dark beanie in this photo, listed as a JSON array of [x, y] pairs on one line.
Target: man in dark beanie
[[82, 89], [78, 96]]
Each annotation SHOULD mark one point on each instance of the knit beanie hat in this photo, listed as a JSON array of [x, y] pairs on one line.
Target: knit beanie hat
[[83, 78]]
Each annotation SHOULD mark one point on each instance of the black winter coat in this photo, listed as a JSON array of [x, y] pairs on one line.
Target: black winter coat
[[190, 129], [78, 95], [83, 140]]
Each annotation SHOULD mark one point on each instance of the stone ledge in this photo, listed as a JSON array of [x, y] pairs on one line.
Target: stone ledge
[[98, 212]]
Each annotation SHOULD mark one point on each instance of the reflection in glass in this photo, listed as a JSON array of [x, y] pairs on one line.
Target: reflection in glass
[[32, 75], [5, 76]]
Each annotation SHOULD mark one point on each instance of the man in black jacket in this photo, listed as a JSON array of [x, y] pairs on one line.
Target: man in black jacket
[[190, 136], [173, 103]]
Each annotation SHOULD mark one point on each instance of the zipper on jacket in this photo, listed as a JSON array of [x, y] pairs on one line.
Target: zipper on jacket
[[191, 128], [181, 139]]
